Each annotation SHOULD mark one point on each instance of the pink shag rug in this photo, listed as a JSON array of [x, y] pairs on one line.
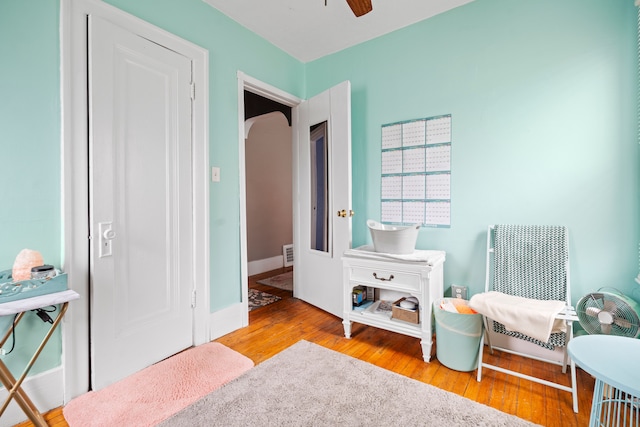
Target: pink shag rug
[[159, 391]]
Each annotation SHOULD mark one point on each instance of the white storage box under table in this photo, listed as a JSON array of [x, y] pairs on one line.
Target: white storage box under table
[[419, 275]]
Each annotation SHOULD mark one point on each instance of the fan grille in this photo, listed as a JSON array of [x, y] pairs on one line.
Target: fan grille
[[607, 313]]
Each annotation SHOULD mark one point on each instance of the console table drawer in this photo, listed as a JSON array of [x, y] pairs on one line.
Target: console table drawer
[[386, 278]]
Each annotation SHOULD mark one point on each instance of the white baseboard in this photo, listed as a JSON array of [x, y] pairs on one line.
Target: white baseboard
[[263, 265], [228, 320], [45, 391]]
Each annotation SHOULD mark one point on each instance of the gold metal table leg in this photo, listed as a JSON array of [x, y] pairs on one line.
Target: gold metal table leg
[[13, 386]]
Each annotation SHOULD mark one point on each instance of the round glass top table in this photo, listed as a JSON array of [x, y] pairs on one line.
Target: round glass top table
[[613, 361]]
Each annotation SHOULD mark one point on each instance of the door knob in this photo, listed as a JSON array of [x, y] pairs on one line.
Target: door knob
[[107, 235], [343, 213]]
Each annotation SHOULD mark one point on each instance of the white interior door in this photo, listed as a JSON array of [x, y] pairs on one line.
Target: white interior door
[[140, 202], [323, 196]]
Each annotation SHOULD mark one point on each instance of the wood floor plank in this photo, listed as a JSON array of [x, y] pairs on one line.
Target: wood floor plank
[[283, 323], [460, 382], [473, 388], [486, 385], [553, 398], [512, 387], [496, 399], [525, 391]]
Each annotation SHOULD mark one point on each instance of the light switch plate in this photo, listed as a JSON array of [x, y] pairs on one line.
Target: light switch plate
[[215, 174]]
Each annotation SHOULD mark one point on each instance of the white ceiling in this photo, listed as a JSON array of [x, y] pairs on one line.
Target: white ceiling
[[308, 30]]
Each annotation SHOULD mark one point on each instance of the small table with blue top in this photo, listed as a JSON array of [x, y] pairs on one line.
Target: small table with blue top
[[613, 361]]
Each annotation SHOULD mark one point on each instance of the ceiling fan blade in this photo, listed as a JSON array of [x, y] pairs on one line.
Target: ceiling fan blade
[[360, 7], [605, 328]]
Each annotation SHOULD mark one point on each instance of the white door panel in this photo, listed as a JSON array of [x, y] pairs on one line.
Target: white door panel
[[318, 273], [141, 207]]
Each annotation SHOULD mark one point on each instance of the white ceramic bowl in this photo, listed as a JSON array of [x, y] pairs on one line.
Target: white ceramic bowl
[[392, 239]]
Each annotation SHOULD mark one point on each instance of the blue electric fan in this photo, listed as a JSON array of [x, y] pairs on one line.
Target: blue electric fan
[[609, 313]]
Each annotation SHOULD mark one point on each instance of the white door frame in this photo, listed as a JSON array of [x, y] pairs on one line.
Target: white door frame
[[75, 203], [265, 90]]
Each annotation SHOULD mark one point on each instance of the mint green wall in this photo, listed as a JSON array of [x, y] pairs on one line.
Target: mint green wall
[[30, 160], [29, 130], [543, 98], [543, 102]]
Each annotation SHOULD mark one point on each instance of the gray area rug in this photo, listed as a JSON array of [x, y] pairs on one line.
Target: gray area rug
[[281, 281], [309, 385]]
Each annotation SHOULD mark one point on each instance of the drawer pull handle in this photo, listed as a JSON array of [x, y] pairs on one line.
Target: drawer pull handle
[[382, 278]]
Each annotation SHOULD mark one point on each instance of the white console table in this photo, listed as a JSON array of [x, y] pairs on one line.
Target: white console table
[[419, 274]]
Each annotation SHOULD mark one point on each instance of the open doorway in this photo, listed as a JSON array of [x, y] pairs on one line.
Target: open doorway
[[269, 200], [317, 277]]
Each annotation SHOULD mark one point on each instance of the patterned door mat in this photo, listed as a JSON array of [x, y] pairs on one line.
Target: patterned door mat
[[259, 299]]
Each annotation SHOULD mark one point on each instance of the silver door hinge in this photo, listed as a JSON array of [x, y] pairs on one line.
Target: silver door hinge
[[193, 299], [193, 90]]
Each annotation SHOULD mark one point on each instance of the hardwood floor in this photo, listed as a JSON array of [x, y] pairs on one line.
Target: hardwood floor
[[279, 325]]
